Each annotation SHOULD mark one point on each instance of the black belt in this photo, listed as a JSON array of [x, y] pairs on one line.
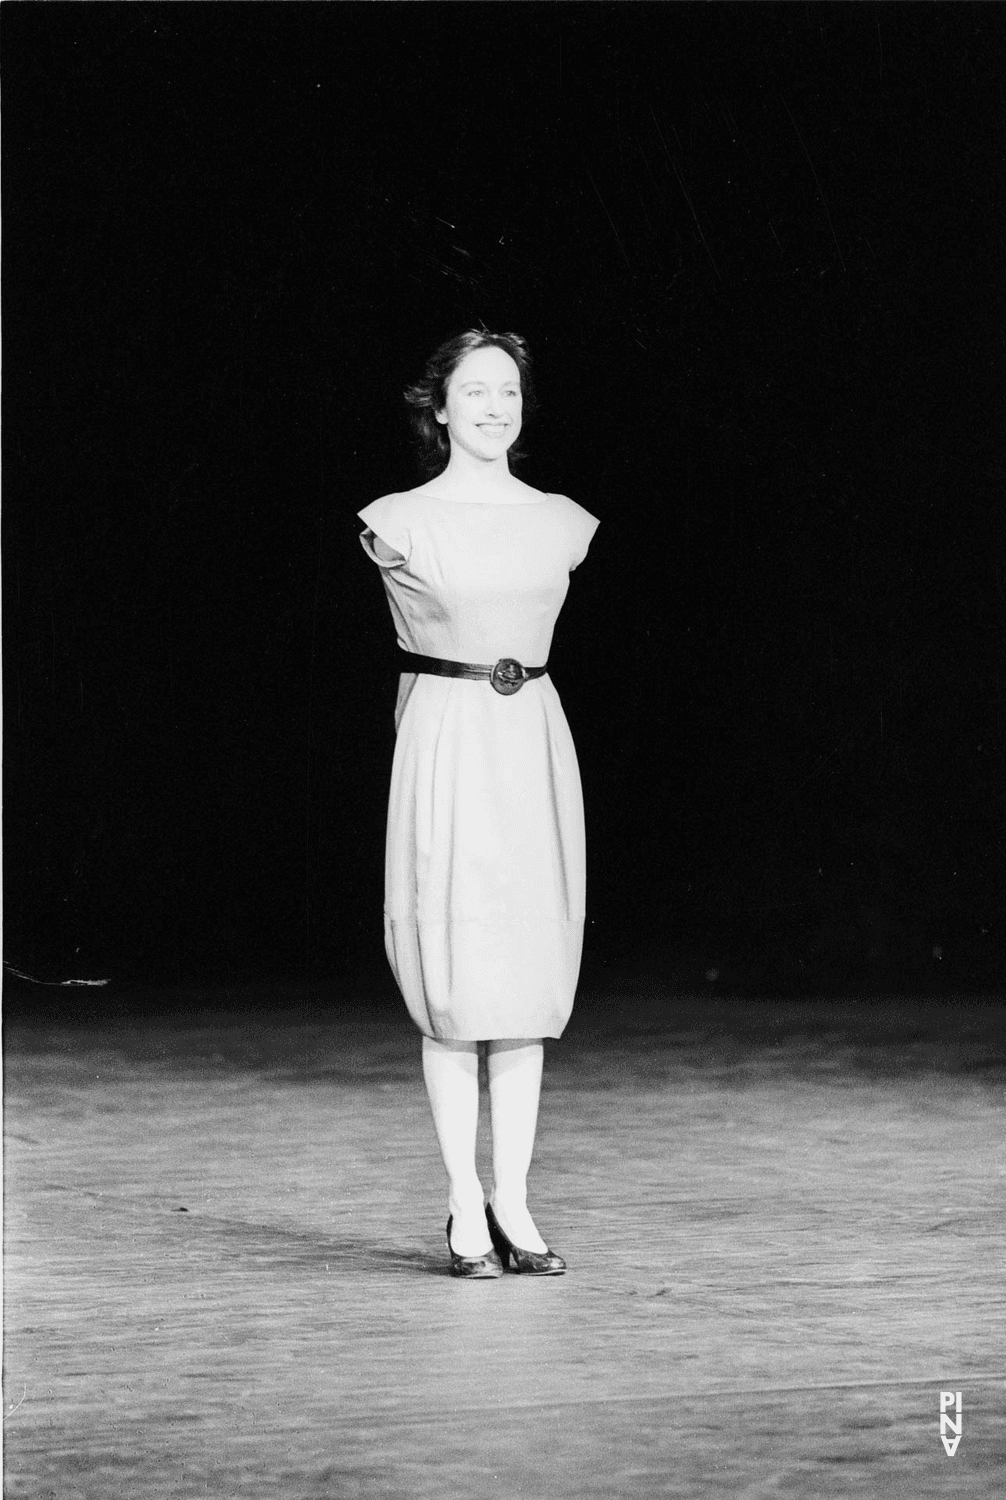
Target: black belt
[[507, 676]]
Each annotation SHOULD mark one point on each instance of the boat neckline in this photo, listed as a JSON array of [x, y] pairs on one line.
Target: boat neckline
[[446, 500]]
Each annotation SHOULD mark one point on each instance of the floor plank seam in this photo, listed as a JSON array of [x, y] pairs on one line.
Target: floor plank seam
[[935, 1382]]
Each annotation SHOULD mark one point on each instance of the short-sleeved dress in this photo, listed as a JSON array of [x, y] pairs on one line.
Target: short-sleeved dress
[[485, 857]]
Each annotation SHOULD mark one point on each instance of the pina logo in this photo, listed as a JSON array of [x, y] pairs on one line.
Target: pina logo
[[950, 1402]]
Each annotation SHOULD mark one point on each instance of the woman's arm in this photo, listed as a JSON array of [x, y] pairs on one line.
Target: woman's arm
[[385, 553]]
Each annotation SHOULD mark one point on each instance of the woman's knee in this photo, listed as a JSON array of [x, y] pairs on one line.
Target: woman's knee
[[434, 1045]]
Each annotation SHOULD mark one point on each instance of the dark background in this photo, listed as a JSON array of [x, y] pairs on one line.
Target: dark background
[[758, 253]]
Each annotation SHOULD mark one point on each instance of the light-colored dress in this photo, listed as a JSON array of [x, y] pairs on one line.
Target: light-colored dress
[[485, 860]]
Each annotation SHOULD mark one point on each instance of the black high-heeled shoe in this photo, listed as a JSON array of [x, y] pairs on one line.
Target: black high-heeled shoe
[[477, 1267], [530, 1262]]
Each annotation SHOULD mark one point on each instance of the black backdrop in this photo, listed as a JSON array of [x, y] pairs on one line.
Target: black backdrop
[[757, 251]]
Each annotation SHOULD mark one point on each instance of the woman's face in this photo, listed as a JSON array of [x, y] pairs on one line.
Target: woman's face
[[482, 412]]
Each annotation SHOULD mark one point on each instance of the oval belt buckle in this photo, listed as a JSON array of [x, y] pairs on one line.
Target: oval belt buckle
[[508, 676]]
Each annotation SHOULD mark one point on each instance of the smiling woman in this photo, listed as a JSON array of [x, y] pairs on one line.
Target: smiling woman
[[485, 867], [482, 406], [469, 360]]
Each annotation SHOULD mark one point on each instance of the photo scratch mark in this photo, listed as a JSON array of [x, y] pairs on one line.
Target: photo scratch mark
[[820, 189], [611, 221], [681, 184]]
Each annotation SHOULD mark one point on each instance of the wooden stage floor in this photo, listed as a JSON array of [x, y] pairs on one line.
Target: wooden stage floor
[[226, 1270]]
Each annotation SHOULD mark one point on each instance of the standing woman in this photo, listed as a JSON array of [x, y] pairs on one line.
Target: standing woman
[[485, 869]]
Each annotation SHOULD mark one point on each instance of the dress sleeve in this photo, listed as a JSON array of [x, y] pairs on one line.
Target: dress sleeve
[[384, 518], [580, 527]]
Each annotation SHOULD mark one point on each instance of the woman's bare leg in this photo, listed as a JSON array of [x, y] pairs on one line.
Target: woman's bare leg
[[451, 1071], [514, 1085]]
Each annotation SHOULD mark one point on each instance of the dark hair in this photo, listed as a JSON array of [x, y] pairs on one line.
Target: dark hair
[[429, 394]]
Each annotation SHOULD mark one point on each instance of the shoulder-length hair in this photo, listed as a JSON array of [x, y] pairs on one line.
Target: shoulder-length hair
[[429, 394]]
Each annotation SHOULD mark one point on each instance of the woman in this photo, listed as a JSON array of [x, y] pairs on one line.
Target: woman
[[484, 885]]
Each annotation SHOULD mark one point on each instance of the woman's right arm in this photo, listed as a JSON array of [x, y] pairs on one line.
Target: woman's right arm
[[386, 540], [385, 553]]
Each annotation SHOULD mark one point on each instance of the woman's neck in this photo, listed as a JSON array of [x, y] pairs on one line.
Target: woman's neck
[[468, 475]]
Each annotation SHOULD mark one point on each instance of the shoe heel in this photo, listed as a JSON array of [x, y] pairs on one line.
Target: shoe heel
[[528, 1262], [501, 1244]]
